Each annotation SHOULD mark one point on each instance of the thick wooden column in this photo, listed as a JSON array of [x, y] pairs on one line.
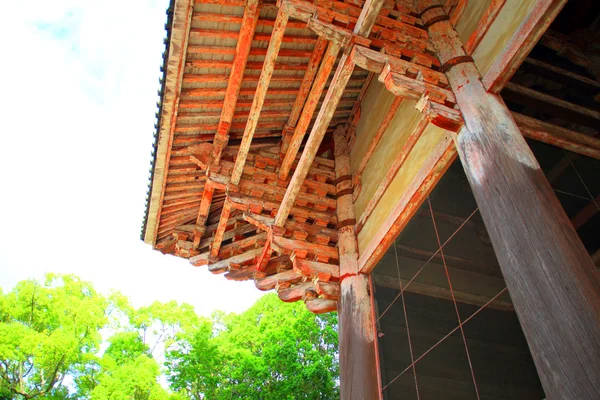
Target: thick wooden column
[[547, 270], [358, 367]]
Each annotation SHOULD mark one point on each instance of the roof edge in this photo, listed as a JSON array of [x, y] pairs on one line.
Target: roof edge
[[178, 25]]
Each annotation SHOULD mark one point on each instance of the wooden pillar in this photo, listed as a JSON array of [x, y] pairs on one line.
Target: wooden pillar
[[358, 366], [547, 270]]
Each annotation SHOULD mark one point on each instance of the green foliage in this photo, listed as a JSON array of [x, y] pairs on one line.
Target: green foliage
[[47, 330], [51, 333], [273, 350]]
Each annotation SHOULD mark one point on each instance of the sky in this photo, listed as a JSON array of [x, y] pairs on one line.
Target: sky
[[78, 98]]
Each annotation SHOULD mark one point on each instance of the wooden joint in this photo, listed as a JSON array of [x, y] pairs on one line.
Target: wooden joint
[[448, 65], [346, 222], [440, 115], [431, 7], [343, 178], [435, 20], [330, 32], [344, 192]]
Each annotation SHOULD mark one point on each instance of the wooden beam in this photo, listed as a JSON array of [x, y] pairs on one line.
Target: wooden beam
[[483, 25], [343, 72], [557, 107], [218, 238], [231, 249], [177, 50], [294, 293], [307, 81], [586, 213], [321, 305], [309, 109], [440, 292], [222, 266], [285, 245], [260, 37], [271, 281], [311, 269], [203, 211], [259, 97], [236, 76], [562, 75], [554, 289], [557, 136], [315, 138], [235, 19], [245, 203]]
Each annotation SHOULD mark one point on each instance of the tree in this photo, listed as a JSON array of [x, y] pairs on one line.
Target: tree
[[47, 330], [130, 366], [273, 350]]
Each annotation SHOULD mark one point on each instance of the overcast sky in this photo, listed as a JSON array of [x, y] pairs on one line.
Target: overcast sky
[[79, 93]]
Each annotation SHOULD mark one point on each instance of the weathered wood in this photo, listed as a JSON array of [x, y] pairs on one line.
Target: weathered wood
[[538, 19], [177, 50], [323, 271], [309, 109], [558, 107], [586, 213], [557, 136], [315, 138], [223, 266], [294, 293], [553, 288], [236, 75], [328, 290], [440, 292], [244, 203], [484, 25], [320, 305], [307, 80], [218, 238], [270, 282], [203, 211], [288, 246], [259, 97], [231, 249], [367, 18], [261, 37], [358, 364], [562, 75]]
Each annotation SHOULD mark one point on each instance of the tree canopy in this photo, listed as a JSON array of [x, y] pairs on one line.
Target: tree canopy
[[61, 339]]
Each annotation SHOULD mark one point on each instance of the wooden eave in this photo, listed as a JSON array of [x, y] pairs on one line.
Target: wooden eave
[[218, 195]]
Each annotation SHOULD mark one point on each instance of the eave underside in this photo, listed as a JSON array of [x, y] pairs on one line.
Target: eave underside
[[234, 230]]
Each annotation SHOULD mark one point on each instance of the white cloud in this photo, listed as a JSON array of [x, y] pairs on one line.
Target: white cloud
[[78, 102]]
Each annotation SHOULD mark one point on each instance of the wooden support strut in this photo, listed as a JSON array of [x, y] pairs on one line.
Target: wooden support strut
[[309, 109], [307, 80], [554, 290], [358, 367], [259, 97], [332, 98], [236, 76]]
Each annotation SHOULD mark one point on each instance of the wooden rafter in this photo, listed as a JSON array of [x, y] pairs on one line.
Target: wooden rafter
[[236, 75], [261, 91], [307, 81], [309, 108]]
